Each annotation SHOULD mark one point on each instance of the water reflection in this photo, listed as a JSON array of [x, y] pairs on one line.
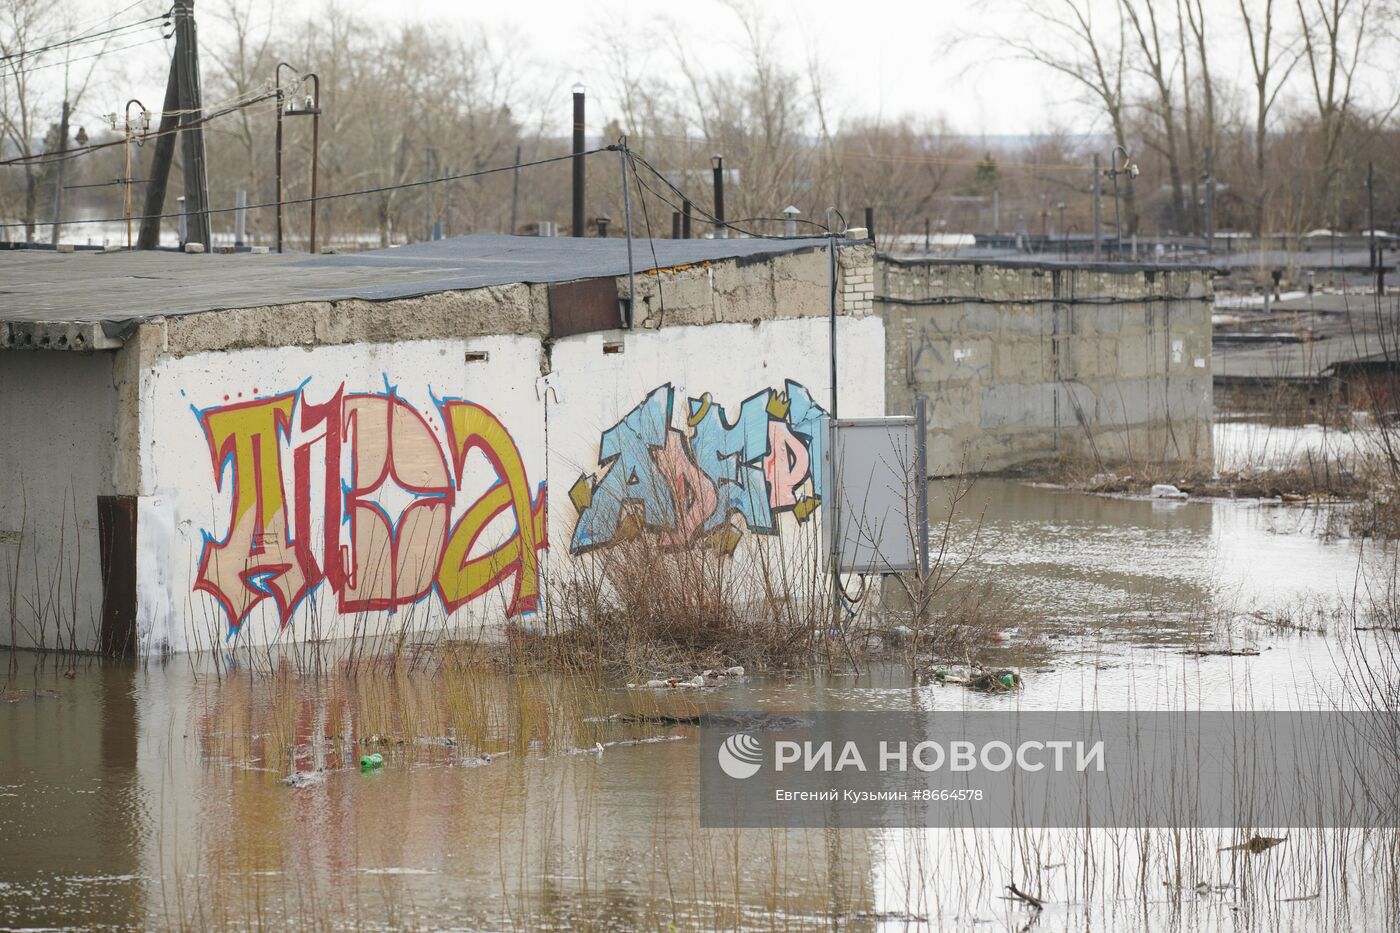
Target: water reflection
[[70, 807], [153, 797], [1082, 556]]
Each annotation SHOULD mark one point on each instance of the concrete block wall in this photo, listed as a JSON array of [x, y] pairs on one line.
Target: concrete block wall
[[1022, 361], [414, 467]]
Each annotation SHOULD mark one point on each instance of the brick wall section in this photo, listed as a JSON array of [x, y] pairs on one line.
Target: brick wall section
[[1021, 362]]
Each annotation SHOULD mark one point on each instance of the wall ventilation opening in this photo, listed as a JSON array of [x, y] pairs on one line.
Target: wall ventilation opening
[[613, 346], [477, 356]]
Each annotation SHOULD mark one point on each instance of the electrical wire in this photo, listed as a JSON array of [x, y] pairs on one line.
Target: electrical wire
[[21, 54], [893, 159], [708, 217], [378, 189], [102, 22], [44, 158], [82, 58], [651, 241]]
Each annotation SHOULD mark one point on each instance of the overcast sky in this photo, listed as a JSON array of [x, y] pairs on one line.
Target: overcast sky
[[880, 57]]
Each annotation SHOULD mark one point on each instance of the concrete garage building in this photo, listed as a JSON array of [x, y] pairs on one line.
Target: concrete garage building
[[209, 447], [1022, 361]]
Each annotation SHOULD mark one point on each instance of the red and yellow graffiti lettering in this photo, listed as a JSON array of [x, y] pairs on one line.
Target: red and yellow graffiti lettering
[[460, 577], [386, 496], [258, 557]]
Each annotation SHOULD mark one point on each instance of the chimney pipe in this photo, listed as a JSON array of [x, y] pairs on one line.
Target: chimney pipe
[[578, 159], [717, 163], [790, 220], [685, 219]]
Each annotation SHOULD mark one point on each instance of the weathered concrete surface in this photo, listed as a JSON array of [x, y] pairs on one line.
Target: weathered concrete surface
[[58, 411], [1021, 362], [208, 418]]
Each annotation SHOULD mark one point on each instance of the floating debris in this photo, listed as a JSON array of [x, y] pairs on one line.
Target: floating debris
[[1256, 844], [709, 678], [301, 779]]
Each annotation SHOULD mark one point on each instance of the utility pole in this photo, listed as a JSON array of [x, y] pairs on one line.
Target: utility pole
[[58, 181], [160, 160], [192, 116], [182, 110], [1210, 202], [578, 159], [1098, 215]]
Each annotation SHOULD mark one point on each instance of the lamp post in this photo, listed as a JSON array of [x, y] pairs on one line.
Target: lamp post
[[287, 107], [1130, 169], [145, 118]]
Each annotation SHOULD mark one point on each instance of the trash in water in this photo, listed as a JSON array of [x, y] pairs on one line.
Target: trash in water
[[301, 779], [996, 681], [371, 762]]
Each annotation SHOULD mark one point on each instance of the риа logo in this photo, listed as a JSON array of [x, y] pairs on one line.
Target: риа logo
[[740, 756]]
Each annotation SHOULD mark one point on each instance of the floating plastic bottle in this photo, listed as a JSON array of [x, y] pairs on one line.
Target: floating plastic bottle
[[371, 762]]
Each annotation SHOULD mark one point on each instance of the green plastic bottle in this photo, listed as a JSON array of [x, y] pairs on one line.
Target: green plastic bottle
[[370, 762]]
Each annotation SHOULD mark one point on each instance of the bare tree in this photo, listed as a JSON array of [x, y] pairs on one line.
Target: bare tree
[[1063, 37], [32, 34], [1192, 32], [1271, 66], [1336, 34], [1159, 71]]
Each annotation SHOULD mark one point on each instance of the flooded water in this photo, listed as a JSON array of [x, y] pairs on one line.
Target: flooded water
[[1252, 445], [154, 796]]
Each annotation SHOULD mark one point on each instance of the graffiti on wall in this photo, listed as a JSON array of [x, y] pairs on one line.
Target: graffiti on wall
[[694, 483], [376, 509]]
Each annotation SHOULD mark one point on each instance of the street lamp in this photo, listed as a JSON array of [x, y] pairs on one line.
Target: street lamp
[[145, 118], [287, 107], [1130, 169]]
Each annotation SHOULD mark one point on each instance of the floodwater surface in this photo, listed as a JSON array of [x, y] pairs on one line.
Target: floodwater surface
[[156, 796]]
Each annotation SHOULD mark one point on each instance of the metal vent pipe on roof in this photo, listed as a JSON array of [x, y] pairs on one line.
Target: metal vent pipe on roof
[[717, 163], [578, 160]]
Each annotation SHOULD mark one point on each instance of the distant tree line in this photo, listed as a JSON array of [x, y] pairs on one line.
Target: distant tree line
[[1288, 147]]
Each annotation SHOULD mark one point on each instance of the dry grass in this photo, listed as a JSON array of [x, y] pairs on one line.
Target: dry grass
[[638, 607]]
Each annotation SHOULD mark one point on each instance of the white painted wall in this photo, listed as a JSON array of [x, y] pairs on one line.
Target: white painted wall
[[57, 421], [189, 588], [594, 390], [186, 503]]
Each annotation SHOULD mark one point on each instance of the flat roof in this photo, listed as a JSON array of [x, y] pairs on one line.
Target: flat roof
[[117, 290]]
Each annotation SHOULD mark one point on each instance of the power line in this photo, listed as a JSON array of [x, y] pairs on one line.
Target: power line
[[20, 54], [378, 189], [44, 158], [83, 58], [709, 217]]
